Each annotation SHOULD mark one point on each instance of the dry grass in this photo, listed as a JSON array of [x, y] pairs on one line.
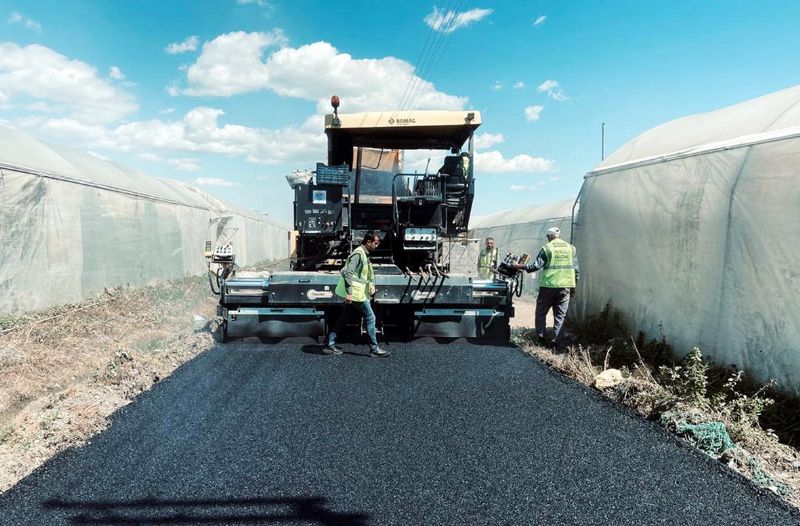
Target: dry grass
[[65, 370]]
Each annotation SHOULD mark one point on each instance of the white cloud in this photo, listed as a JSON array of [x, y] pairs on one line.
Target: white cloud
[[449, 21], [540, 20], [522, 187], [149, 156], [75, 106], [487, 140], [200, 131], [38, 106], [19, 18], [547, 85], [188, 44], [532, 113], [232, 64], [185, 164], [418, 160], [67, 130], [71, 88], [494, 162], [266, 6], [115, 73], [553, 90], [485, 162], [519, 85], [213, 181], [497, 86]]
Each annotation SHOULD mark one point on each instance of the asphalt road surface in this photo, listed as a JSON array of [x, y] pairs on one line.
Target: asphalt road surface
[[249, 433]]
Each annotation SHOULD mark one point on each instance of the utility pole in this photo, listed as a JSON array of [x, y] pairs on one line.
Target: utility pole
[[602, 141]]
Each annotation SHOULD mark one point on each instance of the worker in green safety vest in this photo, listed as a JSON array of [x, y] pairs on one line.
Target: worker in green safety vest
[[558, 263], [487, 259], [356, 286]]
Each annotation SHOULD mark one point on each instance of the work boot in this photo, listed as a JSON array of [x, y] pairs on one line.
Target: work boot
[[381, 353], [331, 349]]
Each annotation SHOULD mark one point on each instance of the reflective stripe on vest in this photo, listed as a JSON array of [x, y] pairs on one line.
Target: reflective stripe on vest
[[362, 278], [559, 273]]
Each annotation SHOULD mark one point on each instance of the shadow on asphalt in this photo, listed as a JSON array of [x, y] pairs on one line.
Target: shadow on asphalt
[[352, 337], [317, 349], [312, 349], [206, 511]]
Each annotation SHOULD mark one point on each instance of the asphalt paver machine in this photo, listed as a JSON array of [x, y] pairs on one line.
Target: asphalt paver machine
[[420, 218]]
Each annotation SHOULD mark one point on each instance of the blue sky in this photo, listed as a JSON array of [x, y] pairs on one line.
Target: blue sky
[[228, 94]]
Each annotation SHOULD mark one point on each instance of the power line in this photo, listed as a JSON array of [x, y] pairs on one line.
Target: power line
[[424, 57], [416, 65], [440, 25], [440, 50], [424, 66], [452, 9]]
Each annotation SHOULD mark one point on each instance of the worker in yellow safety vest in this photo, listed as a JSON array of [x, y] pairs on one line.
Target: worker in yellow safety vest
[[487, 259], [356, 286], [558, 263]]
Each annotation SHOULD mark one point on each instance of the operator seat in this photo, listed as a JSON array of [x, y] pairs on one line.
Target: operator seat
[[455, 172]]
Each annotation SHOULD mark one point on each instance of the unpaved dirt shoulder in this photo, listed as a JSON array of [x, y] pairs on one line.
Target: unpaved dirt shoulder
[[65, 371], [757, 455]]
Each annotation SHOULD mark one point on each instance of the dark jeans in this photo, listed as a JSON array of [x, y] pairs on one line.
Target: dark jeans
[[556, 299], [350, 310]]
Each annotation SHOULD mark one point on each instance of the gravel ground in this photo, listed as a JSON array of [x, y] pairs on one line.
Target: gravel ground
[[249, 433]]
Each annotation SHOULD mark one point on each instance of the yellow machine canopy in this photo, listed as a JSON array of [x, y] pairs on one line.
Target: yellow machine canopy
[[394, 130]]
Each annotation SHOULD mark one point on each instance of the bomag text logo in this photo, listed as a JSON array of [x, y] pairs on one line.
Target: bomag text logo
[[409, 120]]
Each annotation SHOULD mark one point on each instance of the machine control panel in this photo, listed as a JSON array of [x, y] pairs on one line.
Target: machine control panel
[[318, 209], [505, 267], [223, 253], [420, 234], [319, 219]]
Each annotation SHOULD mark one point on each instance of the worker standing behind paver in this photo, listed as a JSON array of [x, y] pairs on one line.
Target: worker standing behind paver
[[558, 262], [487, 259]]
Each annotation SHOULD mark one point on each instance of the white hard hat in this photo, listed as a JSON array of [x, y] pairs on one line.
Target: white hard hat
[[553, 231]]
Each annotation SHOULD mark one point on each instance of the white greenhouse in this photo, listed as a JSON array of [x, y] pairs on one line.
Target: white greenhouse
[[689, 229], [72, 224], [522, 231]]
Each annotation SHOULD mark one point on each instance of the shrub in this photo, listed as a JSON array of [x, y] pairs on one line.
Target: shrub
[[688, 381]]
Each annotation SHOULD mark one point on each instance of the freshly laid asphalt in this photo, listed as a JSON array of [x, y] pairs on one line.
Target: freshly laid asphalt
[[250, 433]]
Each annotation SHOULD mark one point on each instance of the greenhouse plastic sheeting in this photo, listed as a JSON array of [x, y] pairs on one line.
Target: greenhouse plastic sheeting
[[522, 231], [72, 224], [690, 232]]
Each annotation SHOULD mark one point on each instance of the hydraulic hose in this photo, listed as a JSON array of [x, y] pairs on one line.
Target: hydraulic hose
[[211, 282]]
